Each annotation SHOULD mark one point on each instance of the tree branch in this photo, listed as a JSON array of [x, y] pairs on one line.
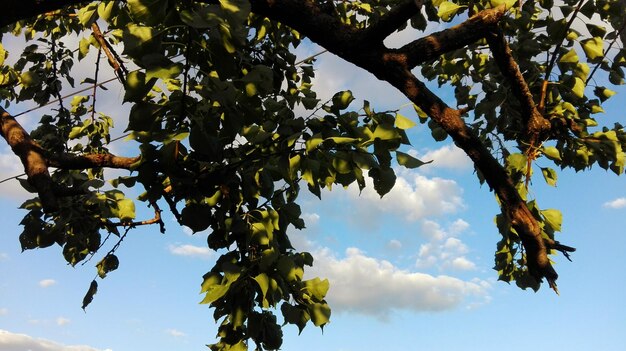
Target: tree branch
[[457, 37], [71, 161], [394, 67], [32, 158], [536, 124], [392, 20]]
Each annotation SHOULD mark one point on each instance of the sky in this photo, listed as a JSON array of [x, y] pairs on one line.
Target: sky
[[412, 270]]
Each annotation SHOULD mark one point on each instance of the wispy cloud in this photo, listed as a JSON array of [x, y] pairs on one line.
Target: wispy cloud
[[191, 251], [61, 321], [175, 333], [46, 283], [14, 341], [370, 286], [615, 204], [4, 311]]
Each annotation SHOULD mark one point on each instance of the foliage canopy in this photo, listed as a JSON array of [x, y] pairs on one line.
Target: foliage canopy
[[229, 128]]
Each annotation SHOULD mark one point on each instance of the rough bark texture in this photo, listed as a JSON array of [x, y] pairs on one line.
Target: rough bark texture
[[365, 49], [36, 161], [30, 154]]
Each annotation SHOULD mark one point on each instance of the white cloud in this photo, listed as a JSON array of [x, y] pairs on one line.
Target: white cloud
[[175, 333], [19, 342], [370, 286], [61, 321], [47, 283], [310, 218], [463, 263], [448, 156], [4, 311], [615, 204], [10, 166], [191, 251], [413, 197], [444, 250], [4, 256], [394, 244]]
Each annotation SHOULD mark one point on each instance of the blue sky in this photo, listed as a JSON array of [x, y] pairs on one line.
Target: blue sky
[[410, 271]]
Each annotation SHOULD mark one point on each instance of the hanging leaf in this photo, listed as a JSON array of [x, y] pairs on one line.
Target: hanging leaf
[[549, 175], [409, 161], [403, 122], [93, 289], [108, 264]]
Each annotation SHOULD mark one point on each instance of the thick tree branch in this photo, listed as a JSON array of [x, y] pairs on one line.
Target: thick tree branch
[[457, 37], [392, 20], [32, 158], [536, 124], [36, 162], [71, 161], [395, 68]]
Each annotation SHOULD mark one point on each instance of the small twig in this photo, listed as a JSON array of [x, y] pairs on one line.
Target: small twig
[[95, 85], [156, 219], [115, 63], [546, 78]]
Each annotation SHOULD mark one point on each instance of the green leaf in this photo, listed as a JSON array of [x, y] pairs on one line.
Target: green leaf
[[137, 86], [384, 179], [108, 264], [264, 282], [143, 116], [403, 122], [409, 161], [447, 10], [317, 288], [295, 315], [551, 152], [196, 216], [93, 289], [593, 48], [342, 100], [385, 132], [579, 87], [159, 66], [570, 57], [3, 55], [553, 218], [125, 210], [320, 313], [549, 175], [147, 11], [603, 93], [517, 162]]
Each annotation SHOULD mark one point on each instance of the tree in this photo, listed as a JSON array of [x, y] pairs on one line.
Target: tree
[[214, 89]]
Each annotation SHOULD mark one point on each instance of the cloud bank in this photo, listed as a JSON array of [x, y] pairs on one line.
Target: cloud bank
[[20, 342]]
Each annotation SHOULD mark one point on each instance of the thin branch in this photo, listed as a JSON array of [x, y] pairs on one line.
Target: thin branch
[[557, 48], [155, 219], [112, 56], [95, 86]]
